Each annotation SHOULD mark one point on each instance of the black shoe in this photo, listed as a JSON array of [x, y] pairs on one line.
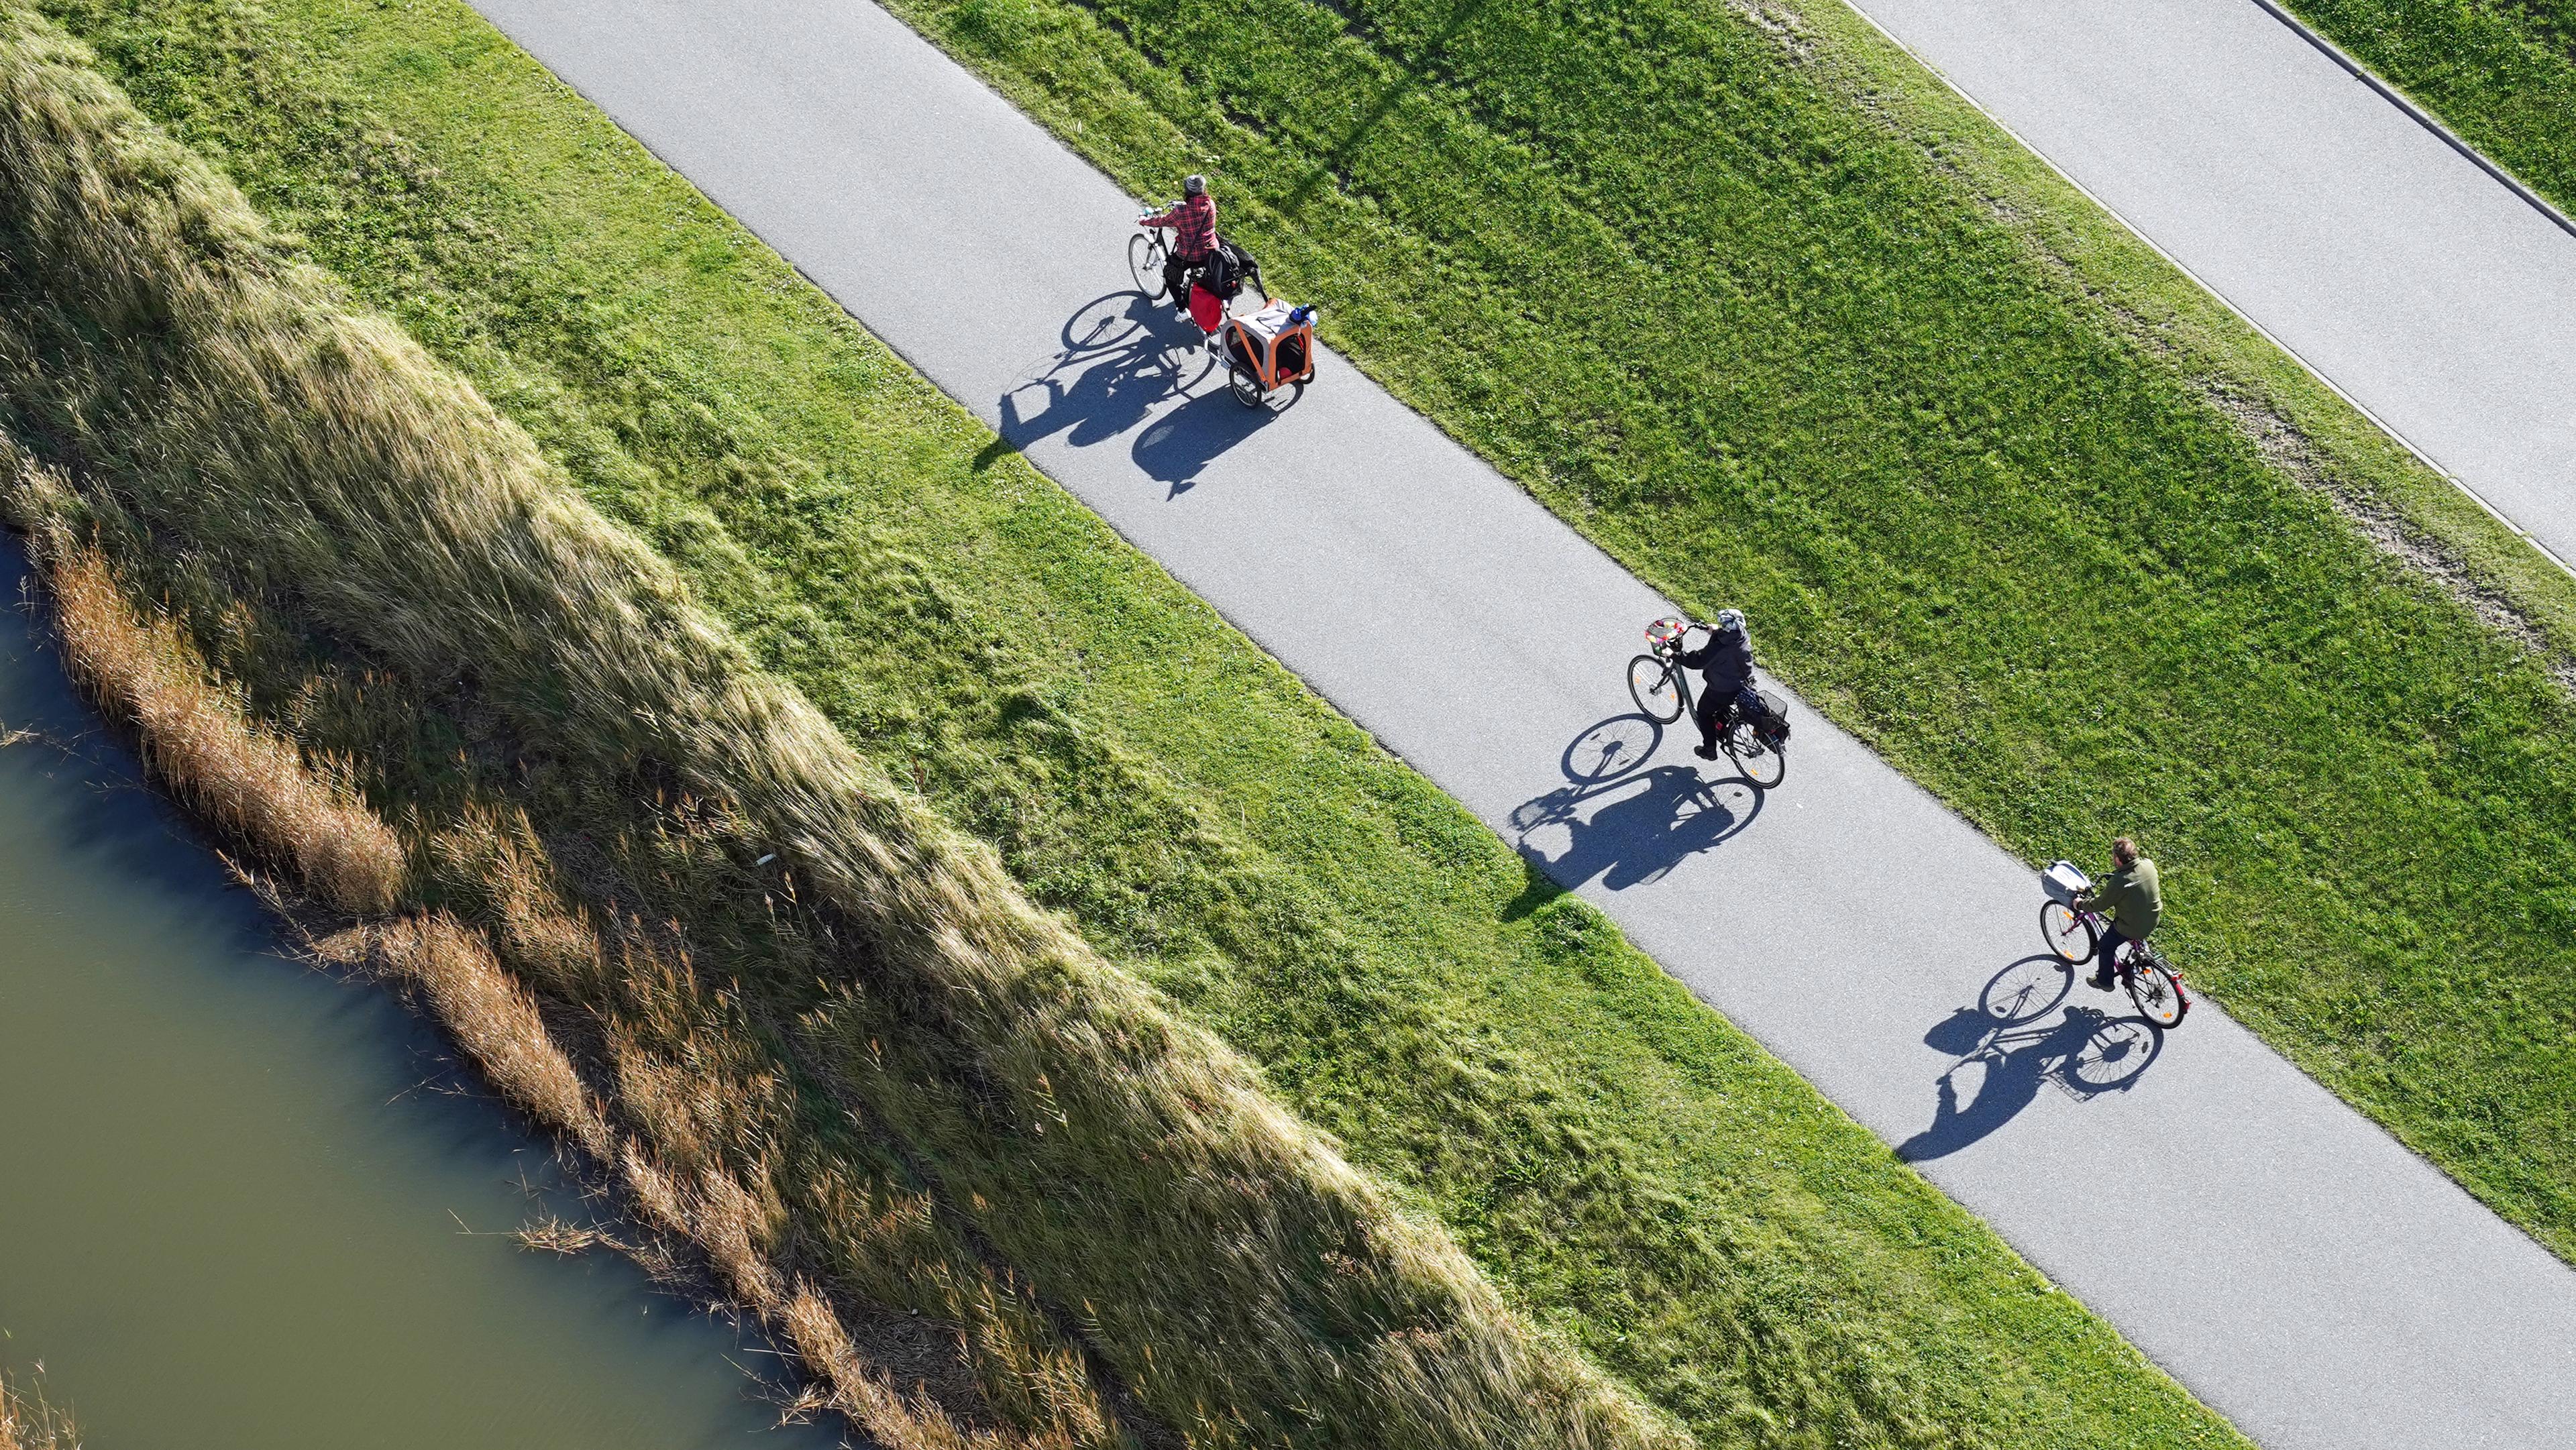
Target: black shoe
[[1705, 752], [2100, 983]]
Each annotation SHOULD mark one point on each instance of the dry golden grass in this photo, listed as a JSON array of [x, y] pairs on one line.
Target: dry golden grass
[[495, 1020], [29, 1422], [216, 401], [252, 783]]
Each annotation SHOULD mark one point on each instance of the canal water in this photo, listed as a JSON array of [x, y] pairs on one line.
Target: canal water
[[245, 1206]]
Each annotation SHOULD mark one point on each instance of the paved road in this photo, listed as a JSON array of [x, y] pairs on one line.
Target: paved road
[[2414, 281], [2286, 1259]]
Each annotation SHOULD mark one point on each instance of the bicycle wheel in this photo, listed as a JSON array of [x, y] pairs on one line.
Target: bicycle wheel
[[1245, 387], [1656, 685], [1145, 257], [2157, 989], [1764, 765], [2068, 934]]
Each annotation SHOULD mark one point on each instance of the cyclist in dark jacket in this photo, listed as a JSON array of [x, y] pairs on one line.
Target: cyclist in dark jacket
[[1193, 224], [1725, 664]]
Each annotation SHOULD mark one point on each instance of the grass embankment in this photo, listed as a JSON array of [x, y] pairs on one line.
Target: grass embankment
[[301, 816], [857, 992], [1752, 300], [2500, 73], [1633, 1172]]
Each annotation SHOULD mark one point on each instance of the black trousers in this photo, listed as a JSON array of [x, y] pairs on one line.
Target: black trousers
[[2107, 953], [1177, 272], [1714, 710]]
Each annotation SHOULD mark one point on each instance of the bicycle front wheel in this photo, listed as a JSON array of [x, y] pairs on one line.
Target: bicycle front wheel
[[1145, 257], [2067, 933], [2157, 989], [1655, 684]]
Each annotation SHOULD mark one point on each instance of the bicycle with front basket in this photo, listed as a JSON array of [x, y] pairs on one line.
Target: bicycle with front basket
[[2074, 932], [1660, 684]]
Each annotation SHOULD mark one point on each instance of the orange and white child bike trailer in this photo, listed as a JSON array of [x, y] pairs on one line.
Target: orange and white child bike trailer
[[1265, 350]]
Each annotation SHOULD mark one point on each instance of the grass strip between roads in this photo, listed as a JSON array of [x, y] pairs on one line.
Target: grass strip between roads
[[1632, 1173], [2500, 73]]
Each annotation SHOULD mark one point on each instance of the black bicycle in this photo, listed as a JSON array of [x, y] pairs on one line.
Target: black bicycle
[[1660, 684]]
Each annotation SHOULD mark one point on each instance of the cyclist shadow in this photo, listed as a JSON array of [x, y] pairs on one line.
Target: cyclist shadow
[[1120, 357], [2014, 1042], [1621, 821]]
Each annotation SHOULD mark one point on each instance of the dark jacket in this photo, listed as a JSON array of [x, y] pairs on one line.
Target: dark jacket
[[1725, 663]]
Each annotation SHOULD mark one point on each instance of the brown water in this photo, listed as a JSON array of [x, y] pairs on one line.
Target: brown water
[[233, 1191]]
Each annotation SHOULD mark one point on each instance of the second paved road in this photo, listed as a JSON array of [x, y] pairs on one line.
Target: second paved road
[[2311, 1279], [2393, 265]]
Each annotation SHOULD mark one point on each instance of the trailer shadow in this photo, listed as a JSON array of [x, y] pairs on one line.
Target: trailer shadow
[[1121, 359], [1177, 447]]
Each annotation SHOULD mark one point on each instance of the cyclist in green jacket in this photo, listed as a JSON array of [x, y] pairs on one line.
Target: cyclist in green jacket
[[2132, 900]]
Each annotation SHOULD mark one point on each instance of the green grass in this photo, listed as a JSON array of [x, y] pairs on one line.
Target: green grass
[[1627, 1168], [2499, 73], [1750, 299], [1951, 439]]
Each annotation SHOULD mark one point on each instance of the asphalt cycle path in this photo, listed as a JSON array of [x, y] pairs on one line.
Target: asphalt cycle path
[[2421, 286], [2285, 1258]]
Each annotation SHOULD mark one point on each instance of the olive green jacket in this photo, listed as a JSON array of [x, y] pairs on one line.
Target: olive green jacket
[[2132, 899]]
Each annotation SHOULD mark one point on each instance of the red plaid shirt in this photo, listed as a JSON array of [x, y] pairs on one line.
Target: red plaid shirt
[[1193, 224]]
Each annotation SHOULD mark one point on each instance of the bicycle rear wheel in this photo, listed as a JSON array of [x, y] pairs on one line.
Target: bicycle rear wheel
[[2157, 989], [1145, 257], [2067, 933], [1655, 684], [1764, 765]]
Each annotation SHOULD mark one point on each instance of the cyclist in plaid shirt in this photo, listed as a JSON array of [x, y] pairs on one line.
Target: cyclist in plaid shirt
[[1193, 224]]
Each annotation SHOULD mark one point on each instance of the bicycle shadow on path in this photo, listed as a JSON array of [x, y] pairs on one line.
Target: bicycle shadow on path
[[1621, 821], [2020, 1036], [1122, 359]]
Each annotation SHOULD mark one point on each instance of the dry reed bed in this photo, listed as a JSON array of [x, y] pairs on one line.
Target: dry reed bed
[[29, 1422], [252, 783], [255, 785], [210, 401]]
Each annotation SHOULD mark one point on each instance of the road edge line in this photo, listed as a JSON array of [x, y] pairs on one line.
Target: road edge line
[[2418, 114]]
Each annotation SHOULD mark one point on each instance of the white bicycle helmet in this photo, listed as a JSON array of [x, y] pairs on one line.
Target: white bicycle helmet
[[1193, 185]]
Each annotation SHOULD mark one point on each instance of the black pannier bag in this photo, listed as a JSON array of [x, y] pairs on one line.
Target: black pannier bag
[[1226, 268], [1772, 714]]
